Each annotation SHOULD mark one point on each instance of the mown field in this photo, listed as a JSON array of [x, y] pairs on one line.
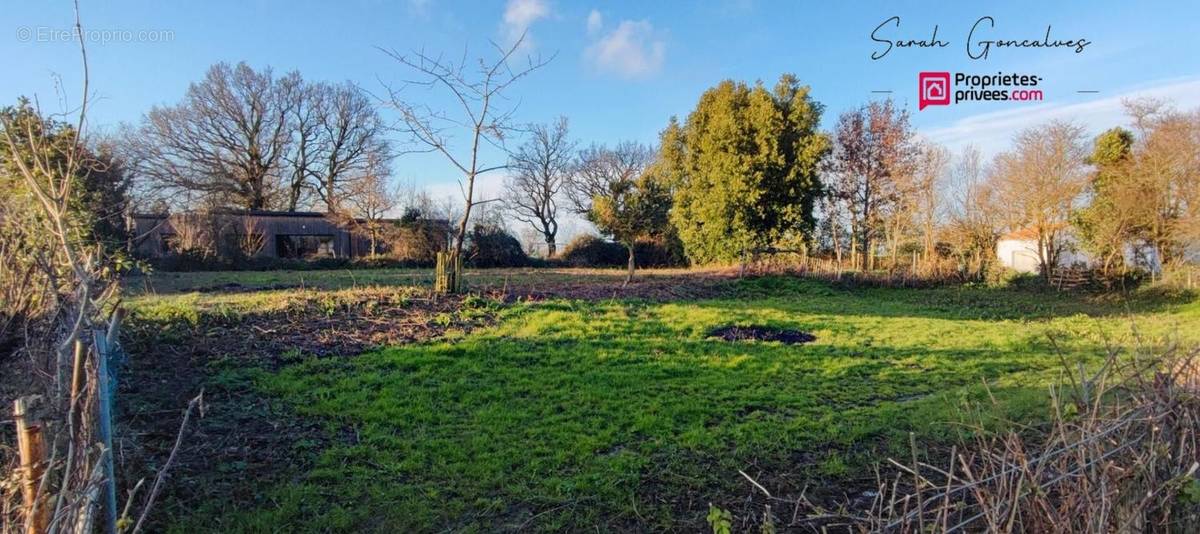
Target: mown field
[[607, 414]]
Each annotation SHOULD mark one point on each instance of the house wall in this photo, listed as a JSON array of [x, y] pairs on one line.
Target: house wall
[[1017, 254], [1022, 254], [157, 229]]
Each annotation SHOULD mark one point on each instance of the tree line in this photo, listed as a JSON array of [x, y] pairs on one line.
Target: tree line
[[748, 171]]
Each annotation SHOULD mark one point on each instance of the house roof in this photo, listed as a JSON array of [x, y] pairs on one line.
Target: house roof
[[267, 214], [1029, 233], [1024, 234], [251, 213]]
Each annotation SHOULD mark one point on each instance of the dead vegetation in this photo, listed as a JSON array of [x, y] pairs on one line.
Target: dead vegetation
[[673, 285], [1120, 453]]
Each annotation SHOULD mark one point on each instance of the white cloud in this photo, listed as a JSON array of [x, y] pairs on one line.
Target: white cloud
[[595, 22], [519, 15], [632, 50], [992, 132]]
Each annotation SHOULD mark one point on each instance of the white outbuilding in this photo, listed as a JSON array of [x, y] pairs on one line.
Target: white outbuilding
[[1018, 250]]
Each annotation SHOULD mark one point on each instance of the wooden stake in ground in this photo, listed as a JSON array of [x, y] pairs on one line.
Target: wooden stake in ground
[[448, 275], [32, 450]]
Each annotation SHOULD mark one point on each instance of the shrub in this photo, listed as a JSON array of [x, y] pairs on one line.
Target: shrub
[[1121, 459], [661, 252], [192, 262], [416, 241], [592, 251], [492, 246]]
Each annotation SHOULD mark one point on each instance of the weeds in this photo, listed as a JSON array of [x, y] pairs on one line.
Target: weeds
[[1119, 453]]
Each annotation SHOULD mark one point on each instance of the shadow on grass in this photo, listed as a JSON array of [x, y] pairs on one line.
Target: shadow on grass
[[958, 302]]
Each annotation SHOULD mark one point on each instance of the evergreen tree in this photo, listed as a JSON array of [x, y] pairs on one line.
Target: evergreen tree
[[743, 168]]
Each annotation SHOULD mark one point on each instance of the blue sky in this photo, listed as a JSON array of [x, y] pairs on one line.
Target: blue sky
[[621, 69]]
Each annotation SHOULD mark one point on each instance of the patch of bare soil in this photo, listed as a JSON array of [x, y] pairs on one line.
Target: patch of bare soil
[[246, 442], [234, 287], [656, 288], [762, 333]]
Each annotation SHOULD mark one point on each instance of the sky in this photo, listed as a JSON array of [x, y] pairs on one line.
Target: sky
[[620, 70]]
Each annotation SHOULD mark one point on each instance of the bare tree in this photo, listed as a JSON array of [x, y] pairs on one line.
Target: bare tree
[[369, 197], [1038, 184], [307, 113], [350, 141], [540, 169], [1165, 192], [598, 170], [973, 221], [253, 140], [873, 157], [477, 94], [250, 237], [614, 191], [226, 140], [932, 165]]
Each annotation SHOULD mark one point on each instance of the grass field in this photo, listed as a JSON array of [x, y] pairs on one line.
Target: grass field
[[623, 415]]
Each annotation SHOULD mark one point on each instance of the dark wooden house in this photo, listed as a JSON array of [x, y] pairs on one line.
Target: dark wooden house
[[270, 234]]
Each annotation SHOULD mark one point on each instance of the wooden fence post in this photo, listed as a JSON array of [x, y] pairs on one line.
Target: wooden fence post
[[106, 395], [439, 273], [32, 450]]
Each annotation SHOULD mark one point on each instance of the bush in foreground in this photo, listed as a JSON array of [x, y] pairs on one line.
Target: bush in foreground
[[1121, 453]]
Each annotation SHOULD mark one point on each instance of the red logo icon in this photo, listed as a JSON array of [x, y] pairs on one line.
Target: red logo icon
[[935, 89]]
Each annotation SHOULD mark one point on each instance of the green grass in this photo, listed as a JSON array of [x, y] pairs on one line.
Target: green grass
[[622, 415]]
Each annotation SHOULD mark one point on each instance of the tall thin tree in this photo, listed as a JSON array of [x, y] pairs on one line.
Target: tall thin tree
[[478, 95], [540, 169]]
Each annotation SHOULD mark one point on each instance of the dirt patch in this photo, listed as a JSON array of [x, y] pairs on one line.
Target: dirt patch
[[655, 288], [235, 287], [762, 333]]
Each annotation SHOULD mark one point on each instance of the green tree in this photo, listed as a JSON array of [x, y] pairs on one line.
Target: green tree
[[743, 168], [619, 191], [1108, 223], [98, 191], [632, 210]]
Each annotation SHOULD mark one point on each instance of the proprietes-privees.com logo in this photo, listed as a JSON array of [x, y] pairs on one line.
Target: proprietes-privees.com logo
[[943, 89]]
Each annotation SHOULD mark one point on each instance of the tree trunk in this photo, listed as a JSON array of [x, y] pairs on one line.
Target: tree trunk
[[331, 200], [1043, 244], [293, 198], [258, 197], [629, 275], [462, 224], [854, 251], [869, 252], [551, 248]]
